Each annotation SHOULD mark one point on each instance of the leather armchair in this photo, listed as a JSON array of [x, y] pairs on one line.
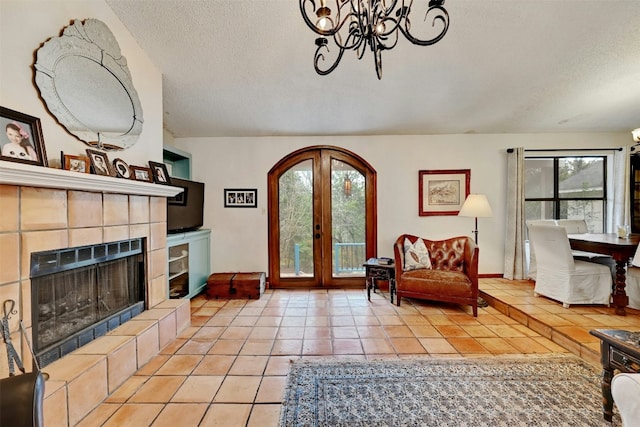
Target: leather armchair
[[453, 276]]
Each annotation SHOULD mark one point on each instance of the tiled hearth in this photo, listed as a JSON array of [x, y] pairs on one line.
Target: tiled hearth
[[68, 210], [80, 381]]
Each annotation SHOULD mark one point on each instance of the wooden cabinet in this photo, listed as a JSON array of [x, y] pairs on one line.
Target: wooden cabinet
[[619, 351], [189, 256]]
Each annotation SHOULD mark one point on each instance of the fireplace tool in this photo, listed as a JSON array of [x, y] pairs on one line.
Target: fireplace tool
[[21, 396]]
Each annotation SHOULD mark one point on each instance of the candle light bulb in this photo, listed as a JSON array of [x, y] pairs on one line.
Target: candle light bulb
[[324, 18]]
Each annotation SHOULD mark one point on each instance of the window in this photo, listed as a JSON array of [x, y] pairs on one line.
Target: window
[[566, 188]]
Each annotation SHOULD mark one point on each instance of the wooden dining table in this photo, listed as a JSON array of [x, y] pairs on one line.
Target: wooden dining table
[[620, 248]]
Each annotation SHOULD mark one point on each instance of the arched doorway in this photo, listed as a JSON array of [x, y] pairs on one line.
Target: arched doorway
[[322, 218]]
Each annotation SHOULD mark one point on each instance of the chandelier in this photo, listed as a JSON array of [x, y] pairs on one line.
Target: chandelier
[[356, 24]]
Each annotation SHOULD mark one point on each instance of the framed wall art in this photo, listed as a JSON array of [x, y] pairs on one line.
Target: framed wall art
[[100, 163], [76, 163], [21, 140], [442, 192], [160, 173], [240, 198], [140, 173]]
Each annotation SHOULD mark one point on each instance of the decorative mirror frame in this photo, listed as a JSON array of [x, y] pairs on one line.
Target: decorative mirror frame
[[91, 40]]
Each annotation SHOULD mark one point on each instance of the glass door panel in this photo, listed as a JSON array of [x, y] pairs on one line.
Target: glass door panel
[[295, 196], [321, 219], [348, 228]]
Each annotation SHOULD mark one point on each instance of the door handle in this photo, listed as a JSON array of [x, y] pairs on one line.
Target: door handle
[[317, 236]]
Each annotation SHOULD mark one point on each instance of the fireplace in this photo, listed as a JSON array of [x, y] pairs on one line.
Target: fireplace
[[80, 293]]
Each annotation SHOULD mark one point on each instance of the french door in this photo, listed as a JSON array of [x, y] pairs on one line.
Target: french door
[[322, 218]]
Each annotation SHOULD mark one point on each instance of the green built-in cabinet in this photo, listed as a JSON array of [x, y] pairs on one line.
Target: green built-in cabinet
[[189, 257]]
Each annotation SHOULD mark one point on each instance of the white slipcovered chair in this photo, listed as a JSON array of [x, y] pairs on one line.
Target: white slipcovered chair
[[531, 255], [579, 226], [625, 390], [573, 226], [560, 276], [633, 281]]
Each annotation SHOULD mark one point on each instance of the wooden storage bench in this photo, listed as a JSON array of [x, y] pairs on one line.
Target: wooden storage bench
[[235, 285]]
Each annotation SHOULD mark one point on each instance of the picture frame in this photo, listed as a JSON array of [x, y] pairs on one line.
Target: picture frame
[[100, 164], [21, 139], [141, 173], [73, 163], [160, 173], [240, 197], [442, 192], [122, 169]]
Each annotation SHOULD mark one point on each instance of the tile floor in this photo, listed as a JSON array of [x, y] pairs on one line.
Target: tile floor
[[229, 368]]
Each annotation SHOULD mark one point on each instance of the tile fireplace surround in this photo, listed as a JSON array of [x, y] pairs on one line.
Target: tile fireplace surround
[[43, 209]]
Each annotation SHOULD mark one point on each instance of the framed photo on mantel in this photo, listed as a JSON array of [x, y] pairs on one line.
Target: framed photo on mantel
[[141, 173], [22, 139]]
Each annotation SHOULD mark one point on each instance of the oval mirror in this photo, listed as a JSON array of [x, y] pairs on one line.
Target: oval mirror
[[85, 83]]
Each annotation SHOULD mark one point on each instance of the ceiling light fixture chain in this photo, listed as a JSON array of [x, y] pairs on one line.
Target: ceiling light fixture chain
[[356, 24]]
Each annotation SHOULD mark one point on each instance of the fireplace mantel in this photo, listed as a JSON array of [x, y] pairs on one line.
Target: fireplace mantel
[[37, 176]]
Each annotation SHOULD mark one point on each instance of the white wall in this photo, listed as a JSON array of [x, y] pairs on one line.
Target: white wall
[[240, 235], [25, 26]]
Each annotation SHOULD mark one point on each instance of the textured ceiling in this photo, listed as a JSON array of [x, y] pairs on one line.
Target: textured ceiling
[[245, 68]]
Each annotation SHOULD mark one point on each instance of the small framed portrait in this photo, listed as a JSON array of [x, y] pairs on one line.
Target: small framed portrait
[[22, 140], [160, 174], [76, 163], [140, 173], [240, 198], [100, 164], [122, 169]]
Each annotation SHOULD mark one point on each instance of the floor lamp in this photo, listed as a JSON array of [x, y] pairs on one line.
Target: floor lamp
[[476, 206]]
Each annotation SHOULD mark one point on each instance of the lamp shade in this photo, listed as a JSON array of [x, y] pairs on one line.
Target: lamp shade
[[636, 135], [476, 205]]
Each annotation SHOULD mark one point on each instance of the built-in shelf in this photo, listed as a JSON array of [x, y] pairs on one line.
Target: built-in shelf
[[173, 276], [178, 161], [178, 257], [37, 176], [189, 262]]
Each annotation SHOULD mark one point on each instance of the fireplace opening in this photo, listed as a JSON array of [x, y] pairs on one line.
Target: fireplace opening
[[79, 294]]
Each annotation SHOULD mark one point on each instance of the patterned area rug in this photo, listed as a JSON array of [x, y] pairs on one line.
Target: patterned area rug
[[558, 391]]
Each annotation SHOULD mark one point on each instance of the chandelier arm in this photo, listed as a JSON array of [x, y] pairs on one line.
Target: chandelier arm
[[443, 17], [390, 30], [387, 10], [311, 24], [383, 41], [377, 57], [320, 56], [353, 41]]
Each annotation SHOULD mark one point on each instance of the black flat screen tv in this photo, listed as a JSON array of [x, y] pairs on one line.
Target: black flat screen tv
[[185, 210]]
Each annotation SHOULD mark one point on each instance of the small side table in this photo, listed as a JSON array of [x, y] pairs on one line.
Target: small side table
[[376, 271], [618, 350]]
